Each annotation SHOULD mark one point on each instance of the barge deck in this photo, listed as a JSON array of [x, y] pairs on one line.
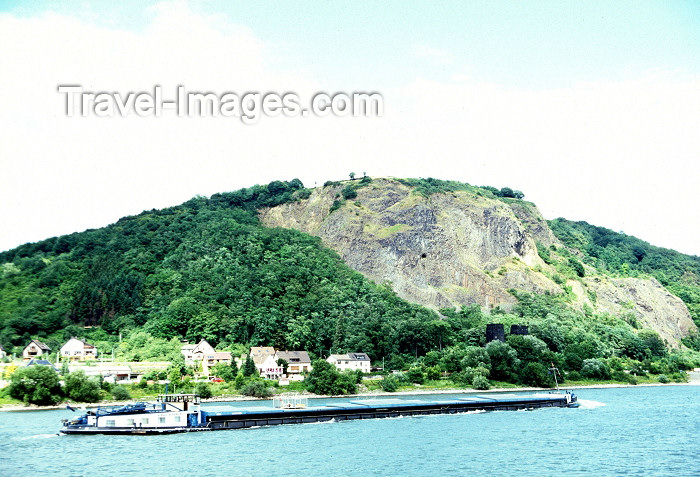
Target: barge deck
[[183, 412]]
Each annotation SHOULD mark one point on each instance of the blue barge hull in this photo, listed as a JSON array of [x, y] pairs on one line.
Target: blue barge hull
[[212, 418]]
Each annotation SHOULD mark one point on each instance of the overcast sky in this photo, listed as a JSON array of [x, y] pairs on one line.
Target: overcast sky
[[592, 109]]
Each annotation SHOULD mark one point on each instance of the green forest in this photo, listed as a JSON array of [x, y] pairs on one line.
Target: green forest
[[208, 269]]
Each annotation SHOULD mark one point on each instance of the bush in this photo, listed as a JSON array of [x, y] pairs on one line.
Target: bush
[[35, 385], [80, 388], [204, 390], [536, 374], [433, 373], [504, 361], [358, 376], [120, 393], [336, 205], [480, 382], [258, 389], [390, 383], [595, 369], [663, 379], [415, 376], [325, 379], [349, 192], [573, 376]]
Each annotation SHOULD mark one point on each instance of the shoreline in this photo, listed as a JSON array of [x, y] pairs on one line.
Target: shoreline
[[412, 392]]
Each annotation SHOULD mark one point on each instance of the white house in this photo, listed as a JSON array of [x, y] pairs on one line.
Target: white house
[[35, 349], [269, 368], [351, 361], [76, 349], [260, 355], [193, 353]]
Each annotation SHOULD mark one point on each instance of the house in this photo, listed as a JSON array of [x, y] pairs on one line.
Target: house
[[264, 358], [110, 372], [298, 362], [76, 349], [212, 359], [269, 369], [35, 349], [351, 361], [193, 353], [41, 362]]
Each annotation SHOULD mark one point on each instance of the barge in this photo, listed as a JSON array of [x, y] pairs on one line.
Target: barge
[[173, 413]]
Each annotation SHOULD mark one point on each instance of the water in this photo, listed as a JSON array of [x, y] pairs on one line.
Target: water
[[646, 431]]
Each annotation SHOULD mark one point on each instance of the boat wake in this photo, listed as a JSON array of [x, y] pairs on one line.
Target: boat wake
[[37, 436], [588, 404]]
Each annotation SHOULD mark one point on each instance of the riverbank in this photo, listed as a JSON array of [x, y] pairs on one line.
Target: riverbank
[[693, 381]]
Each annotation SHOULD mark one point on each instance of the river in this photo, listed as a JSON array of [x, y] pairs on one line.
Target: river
[[644, 431]]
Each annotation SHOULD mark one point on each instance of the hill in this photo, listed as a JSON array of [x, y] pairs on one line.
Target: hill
[[396, 268]]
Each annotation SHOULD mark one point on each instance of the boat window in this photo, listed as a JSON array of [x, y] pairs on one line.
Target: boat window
[[144, 420], [110, 422], [177, 418], [161, 420], [129, 422]]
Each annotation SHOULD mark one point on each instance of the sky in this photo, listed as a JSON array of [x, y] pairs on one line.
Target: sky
[[592, 109]]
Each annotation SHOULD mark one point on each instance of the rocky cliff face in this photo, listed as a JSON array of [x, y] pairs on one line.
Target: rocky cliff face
[[457, 248]]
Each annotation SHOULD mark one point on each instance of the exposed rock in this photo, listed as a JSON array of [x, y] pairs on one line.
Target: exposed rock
[[459, 248]]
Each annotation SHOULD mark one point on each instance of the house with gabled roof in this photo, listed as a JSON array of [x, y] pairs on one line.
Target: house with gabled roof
[[265, 362], [298, 362], [41, 362], [212, 359], [351, 361], [77, 350], [193, 353], [35, 349]]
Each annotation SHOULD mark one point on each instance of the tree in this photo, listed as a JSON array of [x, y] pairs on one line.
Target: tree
[[536, 374], [257, 389], [204, 390], [480, 382], [325, 379], [415, 375], [352, 176], [223, 371], [504, 361], [284, 364], [595, 369], [577, 267], [35, 385], [234, 367], [390, 383], [120, 393], [81, 388], [249, 368]]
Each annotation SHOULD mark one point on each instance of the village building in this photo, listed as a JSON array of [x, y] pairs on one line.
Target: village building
[[41, 362], [195, 352], [35, 349], [212, 359], [269, 369], [298, 362], [110, 372], [351, 361], [264, 359], [77, 350]]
